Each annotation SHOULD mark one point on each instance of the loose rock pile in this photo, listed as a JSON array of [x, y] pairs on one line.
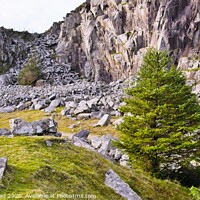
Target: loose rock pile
[[19, 47], [82, 99], [102, 145]]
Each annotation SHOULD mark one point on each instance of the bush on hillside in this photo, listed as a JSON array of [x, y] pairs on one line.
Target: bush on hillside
[[30, 73], [195, 193]]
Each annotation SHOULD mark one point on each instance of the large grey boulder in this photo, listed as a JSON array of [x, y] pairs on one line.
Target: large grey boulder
[[41, 104], [118, 154], [49, 109], [113, 181], [83, 134], [92, 103], [23, 106], [79, 142], [3, 165], [105, 144], [4, 132], [7, 109], [104, 121], [55, 103], [124, 160], [82, 108], [49, 143], [41, 127], [110, 102], [118, 122], [84, 116], [70, 106], [20, 127], [7, 79]]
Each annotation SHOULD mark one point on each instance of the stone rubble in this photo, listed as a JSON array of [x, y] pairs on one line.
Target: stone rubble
[[78, 100], [106, 145], [102, 145], [19, 47], [7, 109]]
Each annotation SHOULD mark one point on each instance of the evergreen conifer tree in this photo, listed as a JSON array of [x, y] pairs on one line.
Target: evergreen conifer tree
[[163, 115]]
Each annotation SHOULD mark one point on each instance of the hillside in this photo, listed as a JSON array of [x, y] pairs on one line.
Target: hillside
[[85, 63], [37, 169]]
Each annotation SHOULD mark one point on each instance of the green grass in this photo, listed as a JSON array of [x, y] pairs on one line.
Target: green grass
[[27, 115], [63, 122], [34, 168]]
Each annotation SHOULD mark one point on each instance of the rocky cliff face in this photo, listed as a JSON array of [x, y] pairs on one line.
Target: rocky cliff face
[[13, 47], [106, 39], [18, 47]]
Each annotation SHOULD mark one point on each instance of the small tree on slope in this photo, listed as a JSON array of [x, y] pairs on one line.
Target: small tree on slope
[[163, 114], [30, 73]]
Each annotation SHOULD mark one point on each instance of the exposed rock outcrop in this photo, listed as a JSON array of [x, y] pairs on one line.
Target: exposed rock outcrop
[[103, 145], [113, 181], [14, 47], [106, 39], [19, 127]]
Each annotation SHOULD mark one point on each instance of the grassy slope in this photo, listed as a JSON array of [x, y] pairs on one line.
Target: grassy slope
[[35, 168]]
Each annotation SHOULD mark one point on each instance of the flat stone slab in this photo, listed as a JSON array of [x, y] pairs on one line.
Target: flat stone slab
[[119, 186], [7, 109], [3, 165]]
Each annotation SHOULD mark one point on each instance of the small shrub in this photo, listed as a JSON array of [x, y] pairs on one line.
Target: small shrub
[[195, 193], [30, 73]]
